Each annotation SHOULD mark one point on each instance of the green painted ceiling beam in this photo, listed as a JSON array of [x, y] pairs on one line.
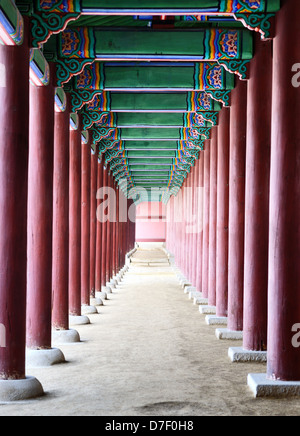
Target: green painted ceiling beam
[[149, 154], [158, 172], [150, 119], [163, 102], [148, 168], [154, 134], [151, 145], [150, 77], [145, 102], [154, 77], [140, 7], [113, 44], [152, 161]]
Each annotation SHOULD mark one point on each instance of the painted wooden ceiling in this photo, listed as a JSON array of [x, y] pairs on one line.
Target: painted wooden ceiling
[[147, 77]]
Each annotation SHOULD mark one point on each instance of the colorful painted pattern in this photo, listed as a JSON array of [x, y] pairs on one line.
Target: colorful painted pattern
[[11, 34], [107, 119], [60, 100], [64, 6], [109, 134], [209, 75], [39, 74], [101, 103], [92, 78], [222, 44], [199, 101], [192, 120], [77, 43], [233, 6]]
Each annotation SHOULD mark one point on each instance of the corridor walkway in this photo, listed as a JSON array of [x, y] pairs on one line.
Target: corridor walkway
[[148, 352]]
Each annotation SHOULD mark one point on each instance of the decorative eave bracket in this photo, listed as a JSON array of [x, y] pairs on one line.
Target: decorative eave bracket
[[239, 67], [262, 23], [43, 25]]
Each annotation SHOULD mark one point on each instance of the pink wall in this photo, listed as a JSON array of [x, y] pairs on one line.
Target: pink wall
[[150, 222]]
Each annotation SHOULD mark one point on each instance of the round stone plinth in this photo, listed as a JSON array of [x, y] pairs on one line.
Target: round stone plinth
[[96, 302], [79, 320], [88, 310], [113, 283], [65, 336], [44, 358], [19, 390], [101, 295]]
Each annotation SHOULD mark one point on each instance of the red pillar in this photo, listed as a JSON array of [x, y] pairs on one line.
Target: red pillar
[[75, 223], [117, 231], [257, 197], [93, 222], [104, 235], [40, 214], [98, 259], [213, 217], [222, 213], [195, 222], [114, 269], [108, 233], [284, 234], [199, 239], [206, 196], [237, 205], [60, 259], [85, 221], [14, 131]]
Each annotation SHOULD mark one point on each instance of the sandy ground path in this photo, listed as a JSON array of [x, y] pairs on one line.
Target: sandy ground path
[[149, 352]]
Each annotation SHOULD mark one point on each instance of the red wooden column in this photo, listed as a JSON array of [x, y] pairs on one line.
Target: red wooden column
[[284, 233], [189, 258], [98, 258], [114, 257], [104, 235], [75, 222], [93, 222], [222, 214], [237, 205], [108, 232], [206, 196], [213, 217], [257, 197], [60, 258], [40, 207], [85, 221], [14, 147], [199, 239], [117, 231], [195, 222], [184, 230], [40, 214]]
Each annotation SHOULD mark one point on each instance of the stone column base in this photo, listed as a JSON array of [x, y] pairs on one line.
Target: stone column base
[[208, 310], [239, 354], [216, 320], [88, 310], [229, 334], [79, 320], [60, 337], [194, 294], [101, 295], [107, 289], [19, 390], [96, 302], [263, 387], [44, 358], [201, 301]]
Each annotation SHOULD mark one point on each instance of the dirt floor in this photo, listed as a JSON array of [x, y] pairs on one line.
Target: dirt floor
[[149, 353]]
